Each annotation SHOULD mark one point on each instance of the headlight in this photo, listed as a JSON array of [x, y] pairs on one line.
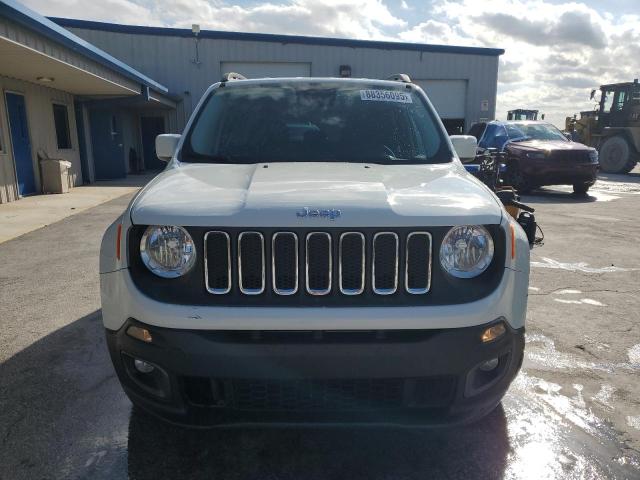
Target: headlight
[[466, 251], [593, 155], [167, 251]]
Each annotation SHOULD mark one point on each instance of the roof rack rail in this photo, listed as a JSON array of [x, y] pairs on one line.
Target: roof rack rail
[[400, 77], [232, 76]]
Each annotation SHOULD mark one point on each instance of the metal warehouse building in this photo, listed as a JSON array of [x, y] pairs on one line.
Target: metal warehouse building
[[97, 94]]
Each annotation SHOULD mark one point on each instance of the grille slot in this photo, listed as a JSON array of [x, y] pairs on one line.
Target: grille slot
[[217, 262], [319, 263], [318, 394], [352, 263], [418, 263], [251, 263], [385, 263], [284, 263]]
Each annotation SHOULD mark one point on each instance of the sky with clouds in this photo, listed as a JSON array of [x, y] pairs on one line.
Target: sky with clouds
[[556, 50]]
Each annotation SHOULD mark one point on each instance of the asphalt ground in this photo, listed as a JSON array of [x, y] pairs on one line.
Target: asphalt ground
[[573, 412]]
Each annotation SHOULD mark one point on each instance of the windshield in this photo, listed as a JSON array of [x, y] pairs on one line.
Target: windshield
[[315, 122], [534, 131]]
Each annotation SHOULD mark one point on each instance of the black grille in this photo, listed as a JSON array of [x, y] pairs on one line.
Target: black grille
[[336, 394], [418, 268], [251, 262], [352, 263], [571, 156], [218, 262], [385, 263], [285, 263], [319, 263]]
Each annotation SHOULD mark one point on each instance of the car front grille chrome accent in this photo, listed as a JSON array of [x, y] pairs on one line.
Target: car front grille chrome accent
[[217, 262], [284, 263], [384, 270], [251, 263], [351, 263], [318, 263], [418, 261]]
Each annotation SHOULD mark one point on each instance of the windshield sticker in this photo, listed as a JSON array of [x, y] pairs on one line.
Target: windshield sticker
[[385, 96]]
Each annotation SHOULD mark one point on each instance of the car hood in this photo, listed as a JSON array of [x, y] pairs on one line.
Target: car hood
[[547, 145], [275, 194]]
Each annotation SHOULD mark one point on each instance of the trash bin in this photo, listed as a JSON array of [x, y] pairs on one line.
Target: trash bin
[[55, 175]]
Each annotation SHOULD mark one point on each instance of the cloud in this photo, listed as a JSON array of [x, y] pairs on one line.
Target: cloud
[[364, 19], [556, 51], [569, 29]]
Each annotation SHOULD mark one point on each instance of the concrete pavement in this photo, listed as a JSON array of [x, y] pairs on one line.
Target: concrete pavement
[[37, 211], [572, 413]]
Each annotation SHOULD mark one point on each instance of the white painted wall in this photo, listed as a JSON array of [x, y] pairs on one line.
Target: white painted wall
[[449, 97], [39, 105]]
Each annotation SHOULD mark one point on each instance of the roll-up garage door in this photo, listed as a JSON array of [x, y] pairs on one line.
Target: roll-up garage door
[[449, 97], [267, 69]]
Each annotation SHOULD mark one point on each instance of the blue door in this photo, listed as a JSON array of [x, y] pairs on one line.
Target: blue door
[[20, 143], [106, 139]]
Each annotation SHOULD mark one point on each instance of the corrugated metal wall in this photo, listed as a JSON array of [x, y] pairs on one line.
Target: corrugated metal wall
[[39, 105], [169, 60]]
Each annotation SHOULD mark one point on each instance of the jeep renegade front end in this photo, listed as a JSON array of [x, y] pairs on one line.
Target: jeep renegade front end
[[314, 252]]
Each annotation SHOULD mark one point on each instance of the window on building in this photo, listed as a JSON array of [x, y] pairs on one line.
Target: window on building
[[61, 119]]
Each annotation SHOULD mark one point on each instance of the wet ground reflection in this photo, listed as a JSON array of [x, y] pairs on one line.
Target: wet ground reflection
[[532, 436], [161, 451]]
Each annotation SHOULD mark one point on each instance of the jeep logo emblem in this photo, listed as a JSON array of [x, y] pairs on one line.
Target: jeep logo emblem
[[330, 213]]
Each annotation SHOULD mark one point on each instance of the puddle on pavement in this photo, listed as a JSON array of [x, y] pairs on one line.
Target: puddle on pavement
[[554, 434], [582, 301], [554, 431], [606, 190], [541, 354], [634, 355], [578, 266]]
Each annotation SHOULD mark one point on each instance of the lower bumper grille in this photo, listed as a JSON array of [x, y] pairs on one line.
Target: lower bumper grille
[[321, 394]]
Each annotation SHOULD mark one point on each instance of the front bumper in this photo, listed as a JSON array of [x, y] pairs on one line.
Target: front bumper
[[208, 378], [545, 172]]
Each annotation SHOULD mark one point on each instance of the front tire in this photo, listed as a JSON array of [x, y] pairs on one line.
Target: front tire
[[517, 179], [616, 155], [581, 188]]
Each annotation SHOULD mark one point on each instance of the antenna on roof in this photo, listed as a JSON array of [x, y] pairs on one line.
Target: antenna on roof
[[400, 77], [229, 76]]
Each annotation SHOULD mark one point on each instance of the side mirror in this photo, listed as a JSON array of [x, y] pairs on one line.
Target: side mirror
[[593, 94], [166, 145], [569, 136], [465, 146]]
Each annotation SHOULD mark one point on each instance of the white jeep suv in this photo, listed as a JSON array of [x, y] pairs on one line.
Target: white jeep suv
[[314, 252]]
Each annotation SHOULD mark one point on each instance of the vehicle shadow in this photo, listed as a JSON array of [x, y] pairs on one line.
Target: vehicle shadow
[[550, 195], [159, 450], [631, 177], [63, 414]]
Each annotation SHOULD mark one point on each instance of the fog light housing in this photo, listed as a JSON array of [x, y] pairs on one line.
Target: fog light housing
[[140, 333], [142, 366], [489, 365], [494, 332]]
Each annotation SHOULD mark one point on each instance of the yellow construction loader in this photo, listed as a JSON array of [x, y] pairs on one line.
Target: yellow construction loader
[[613, 127]]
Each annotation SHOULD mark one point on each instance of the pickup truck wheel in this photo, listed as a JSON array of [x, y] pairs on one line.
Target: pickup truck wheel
[[517, 179], [581, 188], [616, 155]]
